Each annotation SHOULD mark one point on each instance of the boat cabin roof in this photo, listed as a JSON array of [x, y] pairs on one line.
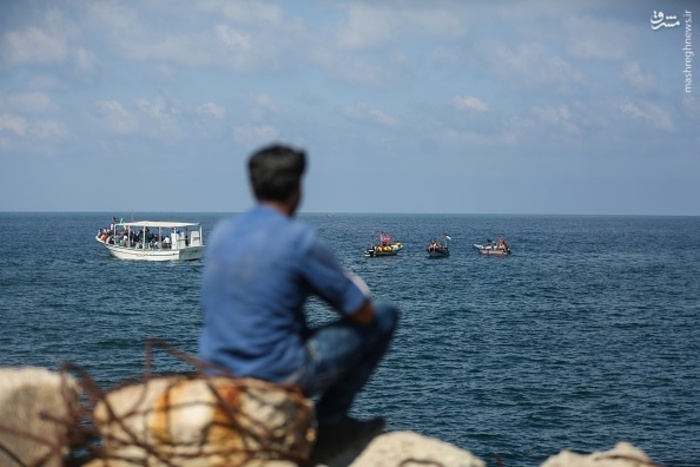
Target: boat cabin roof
[[164, 224]]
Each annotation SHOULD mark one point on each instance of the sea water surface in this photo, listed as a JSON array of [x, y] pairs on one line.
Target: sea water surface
[[587, 335]]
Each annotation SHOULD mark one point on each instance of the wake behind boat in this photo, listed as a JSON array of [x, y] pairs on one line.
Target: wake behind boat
[[153, 240]]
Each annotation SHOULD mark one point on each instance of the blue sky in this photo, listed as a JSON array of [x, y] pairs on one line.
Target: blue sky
[[530, 107]]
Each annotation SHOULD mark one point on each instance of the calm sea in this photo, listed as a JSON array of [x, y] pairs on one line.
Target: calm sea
[[587, 335]]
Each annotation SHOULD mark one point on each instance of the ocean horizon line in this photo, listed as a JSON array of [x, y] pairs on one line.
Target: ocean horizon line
[[361, 213]]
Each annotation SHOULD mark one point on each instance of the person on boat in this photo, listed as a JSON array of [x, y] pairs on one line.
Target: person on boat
[[252, 303], [384, 239], [434, 245]]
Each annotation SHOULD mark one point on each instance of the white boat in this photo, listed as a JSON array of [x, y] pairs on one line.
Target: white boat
[[501, 248], [153, 240]]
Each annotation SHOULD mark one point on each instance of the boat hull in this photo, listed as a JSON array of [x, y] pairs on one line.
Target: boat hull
[[139, 254], [388, 250], [490, 251], [439, 253]]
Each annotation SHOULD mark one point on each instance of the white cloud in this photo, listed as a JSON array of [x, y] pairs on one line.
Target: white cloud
[[49, 129], [252, 136], [113, 118], [361, 111], [446, 55], [13, 123], [526, 64], [633, 74], [85, 60], [366, 26], [652, 114], [383, 118], [558, 116], [553, 114], [233, 39], [126, 29], [369, 25], [246, 12], [181, 50], [239, 36], [358, 70], [28, 102], [158, 109], [22, 127], [208, 121], [455, 137], [262, 105], [211, 109], [596, 38], [163, 118], [44, 42], [469, 102], [32, 46], [112, 16]]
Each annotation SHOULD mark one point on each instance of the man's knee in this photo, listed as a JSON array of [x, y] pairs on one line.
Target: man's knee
[[387, 316]]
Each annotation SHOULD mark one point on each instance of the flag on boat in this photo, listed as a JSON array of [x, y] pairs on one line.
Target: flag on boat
[[447, 237]]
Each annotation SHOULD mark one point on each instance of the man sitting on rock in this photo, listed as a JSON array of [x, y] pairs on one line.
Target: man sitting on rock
[[260, 267]]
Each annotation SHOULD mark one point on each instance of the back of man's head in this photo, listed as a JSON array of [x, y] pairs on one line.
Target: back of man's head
[[275, 172]]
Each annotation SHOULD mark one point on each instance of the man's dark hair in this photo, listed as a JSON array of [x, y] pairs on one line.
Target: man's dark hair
[[275, 172]]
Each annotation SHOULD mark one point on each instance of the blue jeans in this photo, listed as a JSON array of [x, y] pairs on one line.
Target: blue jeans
[[341, 358]]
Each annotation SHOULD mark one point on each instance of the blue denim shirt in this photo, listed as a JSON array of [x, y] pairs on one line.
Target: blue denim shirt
[[260, 267]]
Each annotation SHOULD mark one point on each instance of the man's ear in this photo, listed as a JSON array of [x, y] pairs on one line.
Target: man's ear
[[295, 199]]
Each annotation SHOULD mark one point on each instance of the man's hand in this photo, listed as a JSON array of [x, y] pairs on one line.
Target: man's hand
[[365, 315]]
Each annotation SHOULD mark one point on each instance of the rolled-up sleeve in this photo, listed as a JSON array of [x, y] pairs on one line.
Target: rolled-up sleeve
[[327, 279]]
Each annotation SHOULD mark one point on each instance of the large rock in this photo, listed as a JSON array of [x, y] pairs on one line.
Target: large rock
[[622, 455], [409, 449], [38, 411], [204, 421]]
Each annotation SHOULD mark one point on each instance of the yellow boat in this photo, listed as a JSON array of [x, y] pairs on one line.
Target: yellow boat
[[384, 250]]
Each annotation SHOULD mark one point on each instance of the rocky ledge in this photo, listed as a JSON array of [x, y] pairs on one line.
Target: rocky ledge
[[52, 419]]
